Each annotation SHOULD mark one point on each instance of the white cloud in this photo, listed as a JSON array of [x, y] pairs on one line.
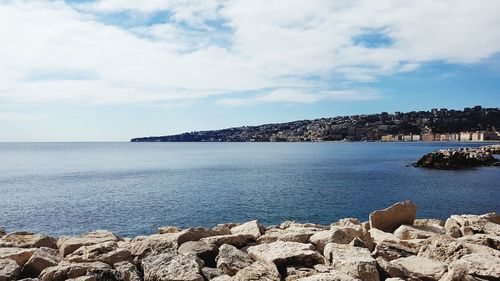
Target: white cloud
[[52, 51], [298, 96]]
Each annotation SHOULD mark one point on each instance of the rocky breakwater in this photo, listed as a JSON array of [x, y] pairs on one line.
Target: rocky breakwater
[[460, 158], [391, 245]]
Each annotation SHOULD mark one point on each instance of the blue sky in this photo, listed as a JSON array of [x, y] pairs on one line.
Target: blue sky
[[109, 70]]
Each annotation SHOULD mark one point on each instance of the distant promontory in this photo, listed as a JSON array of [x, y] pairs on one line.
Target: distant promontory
[[470, 124]]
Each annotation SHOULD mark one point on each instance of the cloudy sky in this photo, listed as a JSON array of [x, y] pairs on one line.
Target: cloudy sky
[[117, 69]]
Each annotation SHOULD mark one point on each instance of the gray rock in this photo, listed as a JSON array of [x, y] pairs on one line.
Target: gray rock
[[170, 267], [285, 254], [126, 271], [389, 219], [354, 261], [41, 259], [231, 260], [211, 273], [9, 270]]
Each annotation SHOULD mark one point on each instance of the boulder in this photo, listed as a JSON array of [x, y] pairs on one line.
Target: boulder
[[472, 224], [285, 254], [492, 241], [9, 270], [142, 246], [211, 273], [416, 268], [329, 276], [456, 158], [224, 228], [238, 240], [335, 235], [126, 271], [72, 244], [428, 222], [169, 267], [66, 270], [262, 271], [27, 240], [223, 278], [107, 252], [206, 252], [231, 260], [406, 232], [20, 255], [195, 234], [291, 234], [446, 249], [474, 267], [354, 261], [41, 259], [389, 247], [253, 228], [347, 222], [389, 219], [294, 273], [168, 229]]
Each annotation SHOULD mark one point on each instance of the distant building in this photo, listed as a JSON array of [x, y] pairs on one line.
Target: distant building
[[415, 137], [465, 136], [387, 138], [428, 137]]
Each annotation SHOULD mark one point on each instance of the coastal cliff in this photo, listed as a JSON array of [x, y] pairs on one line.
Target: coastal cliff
[[391, 245], [460, 158]]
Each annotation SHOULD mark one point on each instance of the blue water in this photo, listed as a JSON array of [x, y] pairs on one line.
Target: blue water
[[133, 188]]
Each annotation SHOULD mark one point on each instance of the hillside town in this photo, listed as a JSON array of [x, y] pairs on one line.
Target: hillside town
[[470, 124]]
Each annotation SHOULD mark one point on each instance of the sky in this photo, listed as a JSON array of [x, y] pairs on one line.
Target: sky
[[111, 70]]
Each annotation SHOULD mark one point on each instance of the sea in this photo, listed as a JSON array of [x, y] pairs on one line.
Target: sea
[[134, 188]]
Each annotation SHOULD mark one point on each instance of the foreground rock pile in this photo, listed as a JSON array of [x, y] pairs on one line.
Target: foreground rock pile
[[392, 245], [460, 158]]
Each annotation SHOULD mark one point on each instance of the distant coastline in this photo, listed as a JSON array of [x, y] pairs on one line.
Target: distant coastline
[[474, 124]]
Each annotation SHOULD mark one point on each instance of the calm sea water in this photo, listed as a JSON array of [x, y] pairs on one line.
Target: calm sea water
[[133, 188]]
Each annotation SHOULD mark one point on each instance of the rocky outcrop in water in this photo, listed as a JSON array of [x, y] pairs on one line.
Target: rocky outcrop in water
[[460, 158], [391, 245]]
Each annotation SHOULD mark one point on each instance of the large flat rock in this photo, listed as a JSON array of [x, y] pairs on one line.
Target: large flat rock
[[389, 219]]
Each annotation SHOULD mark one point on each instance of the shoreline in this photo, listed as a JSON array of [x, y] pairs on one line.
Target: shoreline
[[392, 243]]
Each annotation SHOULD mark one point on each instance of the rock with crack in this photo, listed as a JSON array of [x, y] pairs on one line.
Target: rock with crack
[[107, 252], [41, 259], [262, 271], [406, 232], [238, 240], [206, 252], [126, 271], [72, 244], [231, 260], [19, 255], [335, 235], [389, 219], [416, 268], [474, 267], [27, 240], [253, 228], [285, 254], [290, 234], [142, 246], [66, 270], [170, 266], [354, 261], [9, 270]]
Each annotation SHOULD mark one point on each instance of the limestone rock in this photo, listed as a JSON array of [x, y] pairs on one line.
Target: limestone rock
[[126, 271], [231, 260], [83, 278], [291, 234], [195, 234], [211, 273], [169, 267], [262, 271], [389, 247], [417, 268], [330, 276], [223, 278], [472, 224], [168, 229], [389, 219], [27, 240], [237, 240], [492, 241], [428, 222], [72, 244], [67, 270], [335, 235], [354, 261], [206, 252], [289, 224], [224, 228], [406, 232], [107, 252], [295, 273], [9, 270], [41, 259], [474, 267], [142, 246], [20, 255], [286, 254], [253, 228]]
